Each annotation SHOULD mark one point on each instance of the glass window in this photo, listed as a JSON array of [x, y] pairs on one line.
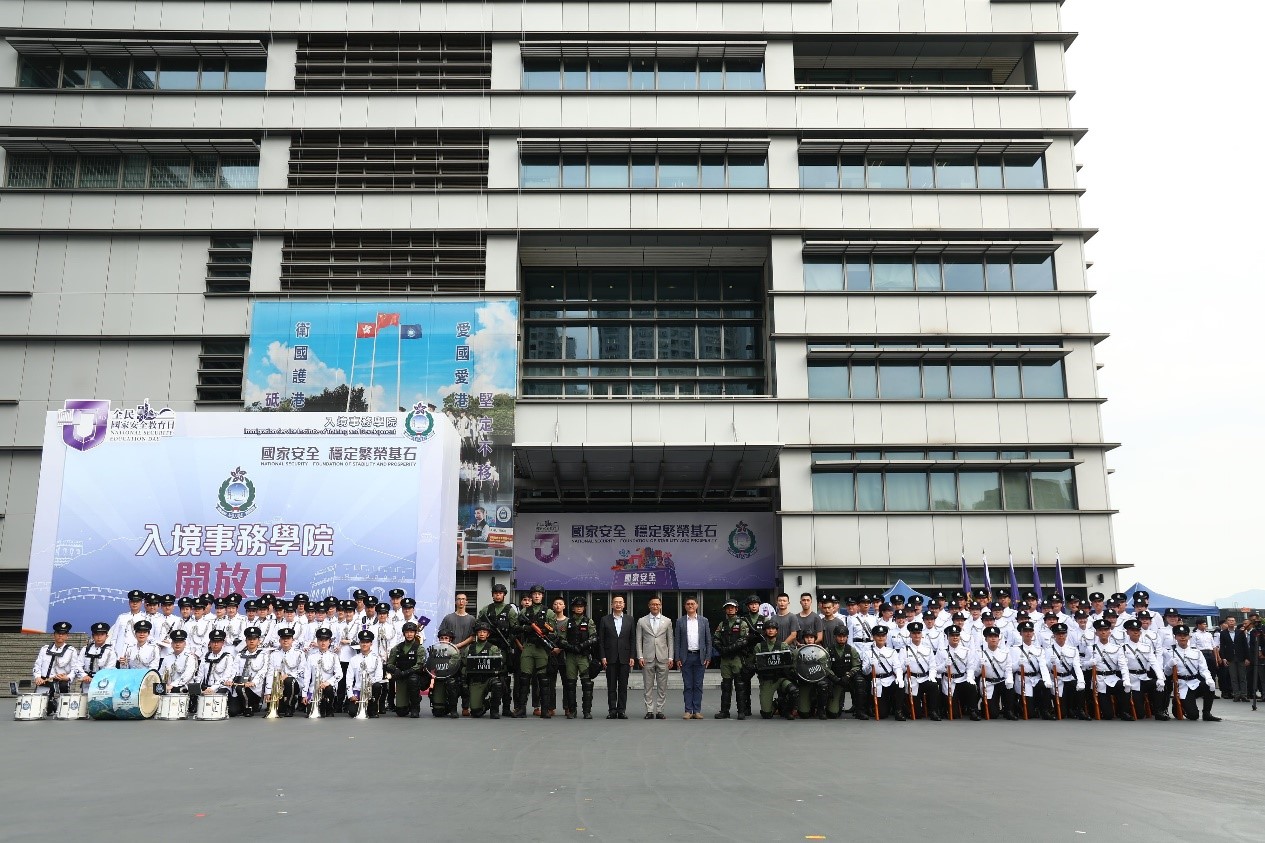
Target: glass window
[[711, 343], [576, 388], [823, 274], [740, 342], [1043, 380], [643, 171], [63, 171], [1024, 172], [239, 173], [541, 388], [899, 380], [541, 75], [74, 73], [612, 343], [135, 171], [677, 74], [676, 342], [169, 173], [544, 342], [832, 492], [851, 172], [608, 74], [539, 171], [744, 74], [39, 73], [1034, 272], [955, 173], [678, 171], [575, 76], [108, 74], [818, 173], [642, 343], [178, 74], [886, 173], [907, 492], [748, 171], [857, 271], [828, 380], [989, 169], [893, 273], [864, 380], [1015, 488], [921, 175], [963, 275], [204, 170], [971, 380], [145, 74], [99, 171], [997, 274], [869, 491], [711, 74], [642, 74], [574, 171], [1053, 490], [575, 342], [610, 171], [213, 74], [944, 490], [247, 74], [980, 490], [928, 272], [1006, 379], [935, 380], [713, 167], [676, 285], [28, 171]]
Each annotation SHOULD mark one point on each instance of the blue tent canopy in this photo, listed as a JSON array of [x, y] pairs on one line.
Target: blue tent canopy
[[1160, 602], [903, 590]]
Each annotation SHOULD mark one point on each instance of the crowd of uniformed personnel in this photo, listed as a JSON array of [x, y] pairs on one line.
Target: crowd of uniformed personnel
[[967, 656]]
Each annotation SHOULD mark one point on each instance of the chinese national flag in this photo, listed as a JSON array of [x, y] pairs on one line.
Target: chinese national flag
[[366, 329], [385, 319]]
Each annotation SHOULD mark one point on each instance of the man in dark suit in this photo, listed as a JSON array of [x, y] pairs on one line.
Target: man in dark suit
[[1236, 656], [615, 649]]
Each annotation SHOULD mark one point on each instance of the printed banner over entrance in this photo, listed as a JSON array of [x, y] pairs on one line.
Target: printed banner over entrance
[[191, 503], [661, 551]]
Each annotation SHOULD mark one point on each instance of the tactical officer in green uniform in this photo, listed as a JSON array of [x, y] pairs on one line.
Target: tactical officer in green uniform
[[742, 682], [484, 689], [579, 636], [776, 680], [731, 640], [405, 666], [503, 617], [445, 693], [536, 624], [845, 667]]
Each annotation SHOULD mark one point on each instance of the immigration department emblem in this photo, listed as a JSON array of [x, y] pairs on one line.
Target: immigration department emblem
[[419, 424], [237, 495], [742, 542]]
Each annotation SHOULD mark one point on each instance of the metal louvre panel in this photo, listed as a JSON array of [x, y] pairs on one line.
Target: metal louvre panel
[[142, 49], [929, 146], [643, 49], [386, 262], [530, 146], [929, 248], [428, 161], [130, 146], [403, 63], [643, 255]]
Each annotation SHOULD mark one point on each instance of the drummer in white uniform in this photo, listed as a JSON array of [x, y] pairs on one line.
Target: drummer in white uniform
[[97, 654], [143, 654], [219, 667], [181, 671], [56, 666], [252, 671]]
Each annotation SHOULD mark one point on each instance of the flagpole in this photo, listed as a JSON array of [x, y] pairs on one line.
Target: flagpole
[[351, 376], [399, 341], [373, 355]]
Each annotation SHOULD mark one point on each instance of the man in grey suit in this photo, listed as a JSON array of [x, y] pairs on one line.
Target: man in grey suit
[[654, 655]]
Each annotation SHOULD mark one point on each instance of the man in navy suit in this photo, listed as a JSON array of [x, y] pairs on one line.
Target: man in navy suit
[[615, 649], [693, 651]]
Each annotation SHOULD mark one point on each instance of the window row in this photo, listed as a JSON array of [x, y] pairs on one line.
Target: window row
[[657, 388], [906, 345], [622, 170], [972, 454], [892, 76], [948, 577], [1021, 273], [891, 381], [643, 73], [148, 74], [943, 490], [549, 288], [153, 172], [710, 341], [898, 172]]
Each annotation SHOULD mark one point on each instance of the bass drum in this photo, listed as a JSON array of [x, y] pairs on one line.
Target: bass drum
[[811, 662], [443, 661], [123, 694]]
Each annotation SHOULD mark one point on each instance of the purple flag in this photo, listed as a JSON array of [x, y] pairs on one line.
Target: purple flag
[[1036, 578], [966, 577], [1014, 581], [988, 581], [1058, 575]]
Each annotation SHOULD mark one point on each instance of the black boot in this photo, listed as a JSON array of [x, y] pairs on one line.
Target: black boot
[[726, 691], [586, 700]]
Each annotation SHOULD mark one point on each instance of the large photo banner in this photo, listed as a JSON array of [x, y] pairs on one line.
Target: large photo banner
[[662, 551], [455, 356], [191, 503]]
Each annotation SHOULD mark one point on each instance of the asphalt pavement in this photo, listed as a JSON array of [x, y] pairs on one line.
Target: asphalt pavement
[[338, 779]]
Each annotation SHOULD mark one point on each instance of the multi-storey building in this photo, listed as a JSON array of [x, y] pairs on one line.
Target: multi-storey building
[[823, 259]]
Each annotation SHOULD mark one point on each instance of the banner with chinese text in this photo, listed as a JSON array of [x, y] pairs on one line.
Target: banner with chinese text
[[457, 356], [659, 551], [191, 503]]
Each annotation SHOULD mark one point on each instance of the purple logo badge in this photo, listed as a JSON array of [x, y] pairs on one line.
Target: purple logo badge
[[84, 422], [546, 543]]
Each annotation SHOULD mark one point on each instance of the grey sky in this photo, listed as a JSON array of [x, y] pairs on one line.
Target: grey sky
[[1171, 95]]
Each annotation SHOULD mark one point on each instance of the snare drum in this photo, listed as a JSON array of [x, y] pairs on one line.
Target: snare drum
[[212, 707], [173, 707], [72, 707], [30, 706]]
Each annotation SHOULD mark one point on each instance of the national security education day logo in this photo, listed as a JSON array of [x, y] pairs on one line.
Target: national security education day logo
[[742, 542], [547, 541], [419, 424], [84, 423], [237, 495]]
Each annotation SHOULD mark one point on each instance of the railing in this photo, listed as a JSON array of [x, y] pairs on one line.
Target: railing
[[899, 86]]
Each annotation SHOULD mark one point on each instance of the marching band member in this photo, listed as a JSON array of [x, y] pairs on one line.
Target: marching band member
[[218, 667], [1030, 674], [164, 623], [365, 669], [397, 606], [236, 624], [408, 608], [994, 661], [144, 653], [1194, 679], [959, 665], [384, 632], [182, 666], [199, 629], [121, 634], [1106, 660], [290, 663], [324, 674], [97, 654], [56, 666], [252, 668], [1066, 675], [885, 668], [1145, 675]]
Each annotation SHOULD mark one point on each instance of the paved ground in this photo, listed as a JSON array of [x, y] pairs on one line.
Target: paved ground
[[338, 780]]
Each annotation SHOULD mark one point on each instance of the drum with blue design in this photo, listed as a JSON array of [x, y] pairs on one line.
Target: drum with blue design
[[123, 695]]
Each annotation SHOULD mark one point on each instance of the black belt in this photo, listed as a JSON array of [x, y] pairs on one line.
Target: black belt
[[1109, 672], [919, 675], [996, 681], [882, 675], [1140, 672], [691, 651]]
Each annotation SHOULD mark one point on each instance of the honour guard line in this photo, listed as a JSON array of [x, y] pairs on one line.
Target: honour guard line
[[961, 658]]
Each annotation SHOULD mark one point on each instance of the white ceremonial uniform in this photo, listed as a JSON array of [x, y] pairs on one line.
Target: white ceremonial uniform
[[1140, 659], [322, 668], [163, 626], [53, 661], [1065, 663], [884, 664], [370, 664], [1191, 667], [1108, 660], [898, 638], [253, 668], [384, 638], [292, 663], [147, 656], [935, 637], [122, 633], [217, 672], [183, 669], [1030, 659], [235, 629], [199, 630], [94, 658], [958, 665], [859, 627], [921, 664], [995, 665], [345, 638]]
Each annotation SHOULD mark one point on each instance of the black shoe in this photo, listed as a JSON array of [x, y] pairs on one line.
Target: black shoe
[[415, 713], [1126, 717], [740, 716], [373, 714], [1161, 715], [821, 715], [494, 714], [900, 716], [649, 715], [453, 715], [659, 715], [722, 715], [570, 714], [975, 715], [588, 715], [766, 715], [1210, 717], [518, 713], [612, 716], [623, 716], [546, 714], [935, 716]]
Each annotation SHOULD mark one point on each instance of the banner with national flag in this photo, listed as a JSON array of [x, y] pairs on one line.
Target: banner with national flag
[[386, 320]]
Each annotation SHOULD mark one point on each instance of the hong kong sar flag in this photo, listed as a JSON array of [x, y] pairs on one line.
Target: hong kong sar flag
[[366, 329]]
